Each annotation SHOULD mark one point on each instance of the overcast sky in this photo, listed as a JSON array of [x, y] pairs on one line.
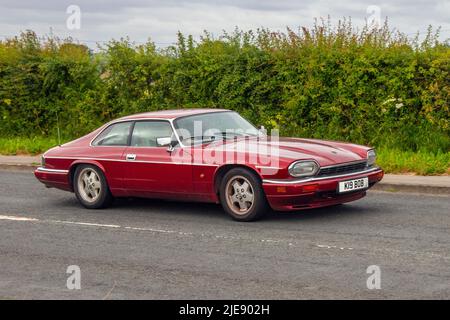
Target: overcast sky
[[160, 20]]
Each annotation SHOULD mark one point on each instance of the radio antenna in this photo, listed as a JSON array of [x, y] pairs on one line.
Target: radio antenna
[[57, 129]]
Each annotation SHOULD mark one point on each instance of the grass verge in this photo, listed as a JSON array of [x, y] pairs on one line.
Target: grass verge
[[26, 146], [420, 162], [391, 160]]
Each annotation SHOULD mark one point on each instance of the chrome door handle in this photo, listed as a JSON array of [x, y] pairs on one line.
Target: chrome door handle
[[131, 157]]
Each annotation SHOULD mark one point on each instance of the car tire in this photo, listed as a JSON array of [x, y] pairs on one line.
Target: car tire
[[91, 188], [242, 196]]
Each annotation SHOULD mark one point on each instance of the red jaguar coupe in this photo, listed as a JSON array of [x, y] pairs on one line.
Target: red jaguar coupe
[[208, 155]]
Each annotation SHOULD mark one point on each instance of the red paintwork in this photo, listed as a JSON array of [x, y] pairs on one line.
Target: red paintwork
[[154, 174]]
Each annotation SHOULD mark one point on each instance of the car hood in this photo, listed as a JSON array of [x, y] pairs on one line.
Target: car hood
[[290, 149]]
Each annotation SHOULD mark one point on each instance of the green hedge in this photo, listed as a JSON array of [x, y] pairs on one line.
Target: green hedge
[[370, 87]]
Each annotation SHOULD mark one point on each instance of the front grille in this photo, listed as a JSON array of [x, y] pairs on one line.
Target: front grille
[[342, 169]]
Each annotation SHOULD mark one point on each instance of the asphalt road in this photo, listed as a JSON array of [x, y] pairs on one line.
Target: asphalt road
[[151, 249]]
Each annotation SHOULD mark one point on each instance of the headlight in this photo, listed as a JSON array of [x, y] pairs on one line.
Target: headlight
[[371, 157], [303, 168], [42, 162]]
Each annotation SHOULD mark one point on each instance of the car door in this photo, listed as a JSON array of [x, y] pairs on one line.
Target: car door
[[108, 149], [150, 169]]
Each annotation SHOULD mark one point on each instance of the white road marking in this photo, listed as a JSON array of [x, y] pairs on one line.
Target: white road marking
[[150, 229], [115, 226], [268, 241], [90, 224], [160, 231], [326, 246], [13, 218], [85, 224]]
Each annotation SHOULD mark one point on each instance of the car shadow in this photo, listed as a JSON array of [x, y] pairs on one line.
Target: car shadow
[[213, 211], [170, 207], [331, 212]]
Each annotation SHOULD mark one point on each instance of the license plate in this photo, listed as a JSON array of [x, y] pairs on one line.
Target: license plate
[[354, 184]]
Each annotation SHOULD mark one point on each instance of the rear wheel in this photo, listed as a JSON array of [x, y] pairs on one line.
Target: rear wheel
[[242, 196], [91, 188]]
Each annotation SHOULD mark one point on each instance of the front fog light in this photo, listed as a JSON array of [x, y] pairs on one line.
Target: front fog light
[[303, 168]]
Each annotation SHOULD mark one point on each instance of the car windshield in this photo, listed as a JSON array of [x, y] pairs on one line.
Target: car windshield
[[208, 127]]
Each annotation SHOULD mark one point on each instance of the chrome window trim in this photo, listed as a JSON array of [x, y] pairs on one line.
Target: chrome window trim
[[105, 126], [312, 179], [51, 170], [171, 121]]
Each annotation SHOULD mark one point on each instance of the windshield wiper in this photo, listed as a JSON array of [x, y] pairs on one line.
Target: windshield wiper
[[235, 134], [203, 139], [212, 138]]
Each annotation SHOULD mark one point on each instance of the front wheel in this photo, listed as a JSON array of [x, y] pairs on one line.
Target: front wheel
[[91, 188], [242, 196]]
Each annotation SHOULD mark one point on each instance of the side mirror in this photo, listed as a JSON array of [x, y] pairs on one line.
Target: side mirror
[[163, 141], [172, 144]]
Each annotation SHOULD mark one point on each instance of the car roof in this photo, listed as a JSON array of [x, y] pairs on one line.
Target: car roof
[[170, 114]]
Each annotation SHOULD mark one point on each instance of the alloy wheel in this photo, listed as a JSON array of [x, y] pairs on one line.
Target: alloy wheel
[[89, 185], [239, 195]]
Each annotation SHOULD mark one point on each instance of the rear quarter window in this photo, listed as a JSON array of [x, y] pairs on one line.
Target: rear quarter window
[[115, 135]]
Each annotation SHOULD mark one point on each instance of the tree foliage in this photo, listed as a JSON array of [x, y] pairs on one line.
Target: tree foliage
[[371, 86]]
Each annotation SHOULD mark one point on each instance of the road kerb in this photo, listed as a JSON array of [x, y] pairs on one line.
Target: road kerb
[[423, 189]]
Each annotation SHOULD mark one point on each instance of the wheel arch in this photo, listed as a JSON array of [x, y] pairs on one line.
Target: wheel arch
[[77, 163], [222, 170]]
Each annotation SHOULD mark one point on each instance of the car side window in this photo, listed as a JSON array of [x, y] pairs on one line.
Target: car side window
[[151, 134], [115, 135]]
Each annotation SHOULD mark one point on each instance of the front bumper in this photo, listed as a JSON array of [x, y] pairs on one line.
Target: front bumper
[[314, 192], [53, 178]]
